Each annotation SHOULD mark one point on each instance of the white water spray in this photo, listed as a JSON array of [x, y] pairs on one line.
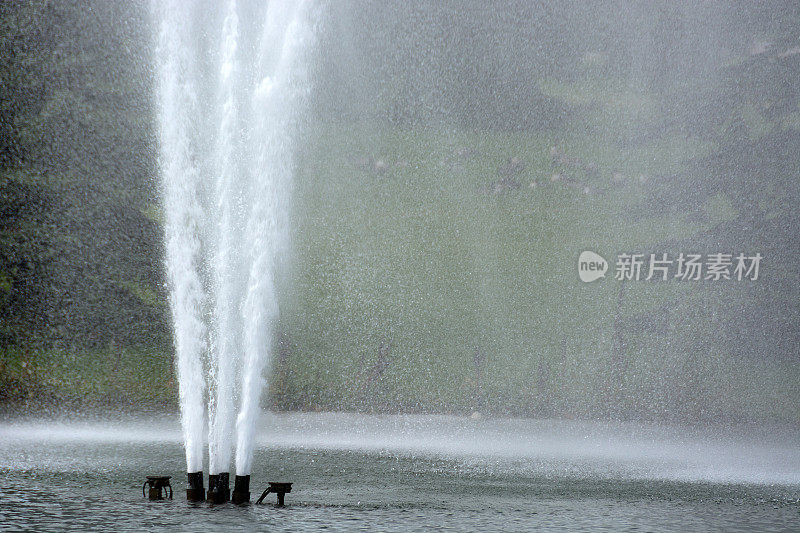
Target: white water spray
[[229, 124], [279, 94], [178, 109], [224, 346]]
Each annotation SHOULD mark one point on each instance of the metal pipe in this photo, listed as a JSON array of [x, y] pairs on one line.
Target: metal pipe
[[195, 492], [218, 488], [241, 490], [276, 488]]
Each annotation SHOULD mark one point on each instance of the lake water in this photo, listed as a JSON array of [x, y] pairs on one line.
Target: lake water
[[411, 473]]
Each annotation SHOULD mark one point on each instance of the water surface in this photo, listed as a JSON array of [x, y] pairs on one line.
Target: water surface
[[412, 473]]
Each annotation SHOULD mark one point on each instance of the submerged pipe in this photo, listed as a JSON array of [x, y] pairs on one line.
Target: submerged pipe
[[195, 492], [218, 488], [241, 490]]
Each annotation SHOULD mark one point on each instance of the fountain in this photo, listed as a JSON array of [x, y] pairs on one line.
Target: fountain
[[234, 87], [398, 246], [226, 182]]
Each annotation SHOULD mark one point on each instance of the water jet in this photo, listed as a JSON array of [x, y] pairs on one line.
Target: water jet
[[234, 167]]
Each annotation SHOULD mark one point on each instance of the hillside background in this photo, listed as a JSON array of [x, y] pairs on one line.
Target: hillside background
[[441, 201]]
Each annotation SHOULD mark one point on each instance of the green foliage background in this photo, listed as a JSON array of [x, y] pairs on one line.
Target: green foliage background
[[434, 254]]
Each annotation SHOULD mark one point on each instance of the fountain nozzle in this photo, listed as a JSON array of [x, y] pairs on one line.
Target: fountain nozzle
[[241, 490], [277, 488], [159, 487], [218, 488], [195, 492]]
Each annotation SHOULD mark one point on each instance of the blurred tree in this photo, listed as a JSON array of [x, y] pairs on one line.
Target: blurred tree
[[80, 261]]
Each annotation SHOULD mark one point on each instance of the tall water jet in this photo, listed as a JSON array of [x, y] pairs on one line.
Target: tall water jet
[[229, 124], [178, 109], [278, 96], [224, 333]]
